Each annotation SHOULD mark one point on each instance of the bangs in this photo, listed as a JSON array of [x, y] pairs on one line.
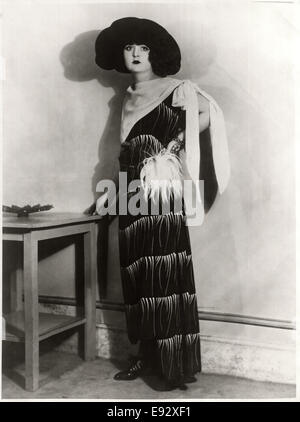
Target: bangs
[[138, 38], [132, 42]]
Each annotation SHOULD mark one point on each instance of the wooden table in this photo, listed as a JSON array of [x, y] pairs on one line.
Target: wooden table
[[28, 325]]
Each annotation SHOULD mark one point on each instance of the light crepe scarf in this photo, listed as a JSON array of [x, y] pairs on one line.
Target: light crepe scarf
[[147, 95]]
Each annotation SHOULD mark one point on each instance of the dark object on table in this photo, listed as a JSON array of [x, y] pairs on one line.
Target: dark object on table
[[26, 210]]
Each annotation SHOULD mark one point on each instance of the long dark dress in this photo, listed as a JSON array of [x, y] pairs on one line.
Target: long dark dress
[[156, 263]]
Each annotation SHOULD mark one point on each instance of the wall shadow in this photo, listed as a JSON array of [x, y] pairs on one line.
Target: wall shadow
[[78, 61]]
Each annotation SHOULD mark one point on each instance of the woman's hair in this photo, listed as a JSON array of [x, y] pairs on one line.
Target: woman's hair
[[164, 53]]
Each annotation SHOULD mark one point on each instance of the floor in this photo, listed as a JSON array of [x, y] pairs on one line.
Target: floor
[[67, 376]]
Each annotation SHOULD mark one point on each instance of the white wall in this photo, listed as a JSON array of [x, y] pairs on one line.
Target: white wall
[[61, 122]]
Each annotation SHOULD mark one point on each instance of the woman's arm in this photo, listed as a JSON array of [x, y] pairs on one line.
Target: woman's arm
[[203, 107], [203, 112]]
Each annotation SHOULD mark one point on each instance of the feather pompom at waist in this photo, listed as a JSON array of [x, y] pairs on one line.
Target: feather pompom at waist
[[161, 176]]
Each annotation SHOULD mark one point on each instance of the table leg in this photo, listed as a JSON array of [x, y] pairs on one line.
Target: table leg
[[16, 290], [31, 312], [90, 292]]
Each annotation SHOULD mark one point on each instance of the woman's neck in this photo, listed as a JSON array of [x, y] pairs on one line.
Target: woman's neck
[[143, 77]]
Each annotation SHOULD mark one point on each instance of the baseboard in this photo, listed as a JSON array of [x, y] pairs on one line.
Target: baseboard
[[256, 361], [248, 359], [203, 315]]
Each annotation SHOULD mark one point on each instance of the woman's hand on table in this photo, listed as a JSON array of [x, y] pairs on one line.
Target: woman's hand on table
[[100, 204]]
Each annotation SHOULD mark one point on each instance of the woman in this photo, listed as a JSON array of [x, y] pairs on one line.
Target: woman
[[158, 117]]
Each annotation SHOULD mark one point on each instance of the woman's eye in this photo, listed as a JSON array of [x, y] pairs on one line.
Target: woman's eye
[[128, 47], [145, 48]]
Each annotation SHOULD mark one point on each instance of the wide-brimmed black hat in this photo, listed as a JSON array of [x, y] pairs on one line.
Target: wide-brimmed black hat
[[164, 55]]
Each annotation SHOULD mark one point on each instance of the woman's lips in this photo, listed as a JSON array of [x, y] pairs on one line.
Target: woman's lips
[[136, 62]]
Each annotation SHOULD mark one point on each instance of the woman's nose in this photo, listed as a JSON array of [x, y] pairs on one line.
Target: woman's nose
[[136, 50]]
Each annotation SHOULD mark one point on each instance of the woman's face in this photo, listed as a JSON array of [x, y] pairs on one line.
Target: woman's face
[[136, 58]]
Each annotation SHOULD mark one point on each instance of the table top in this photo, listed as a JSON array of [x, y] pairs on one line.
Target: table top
[[46, 219]]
